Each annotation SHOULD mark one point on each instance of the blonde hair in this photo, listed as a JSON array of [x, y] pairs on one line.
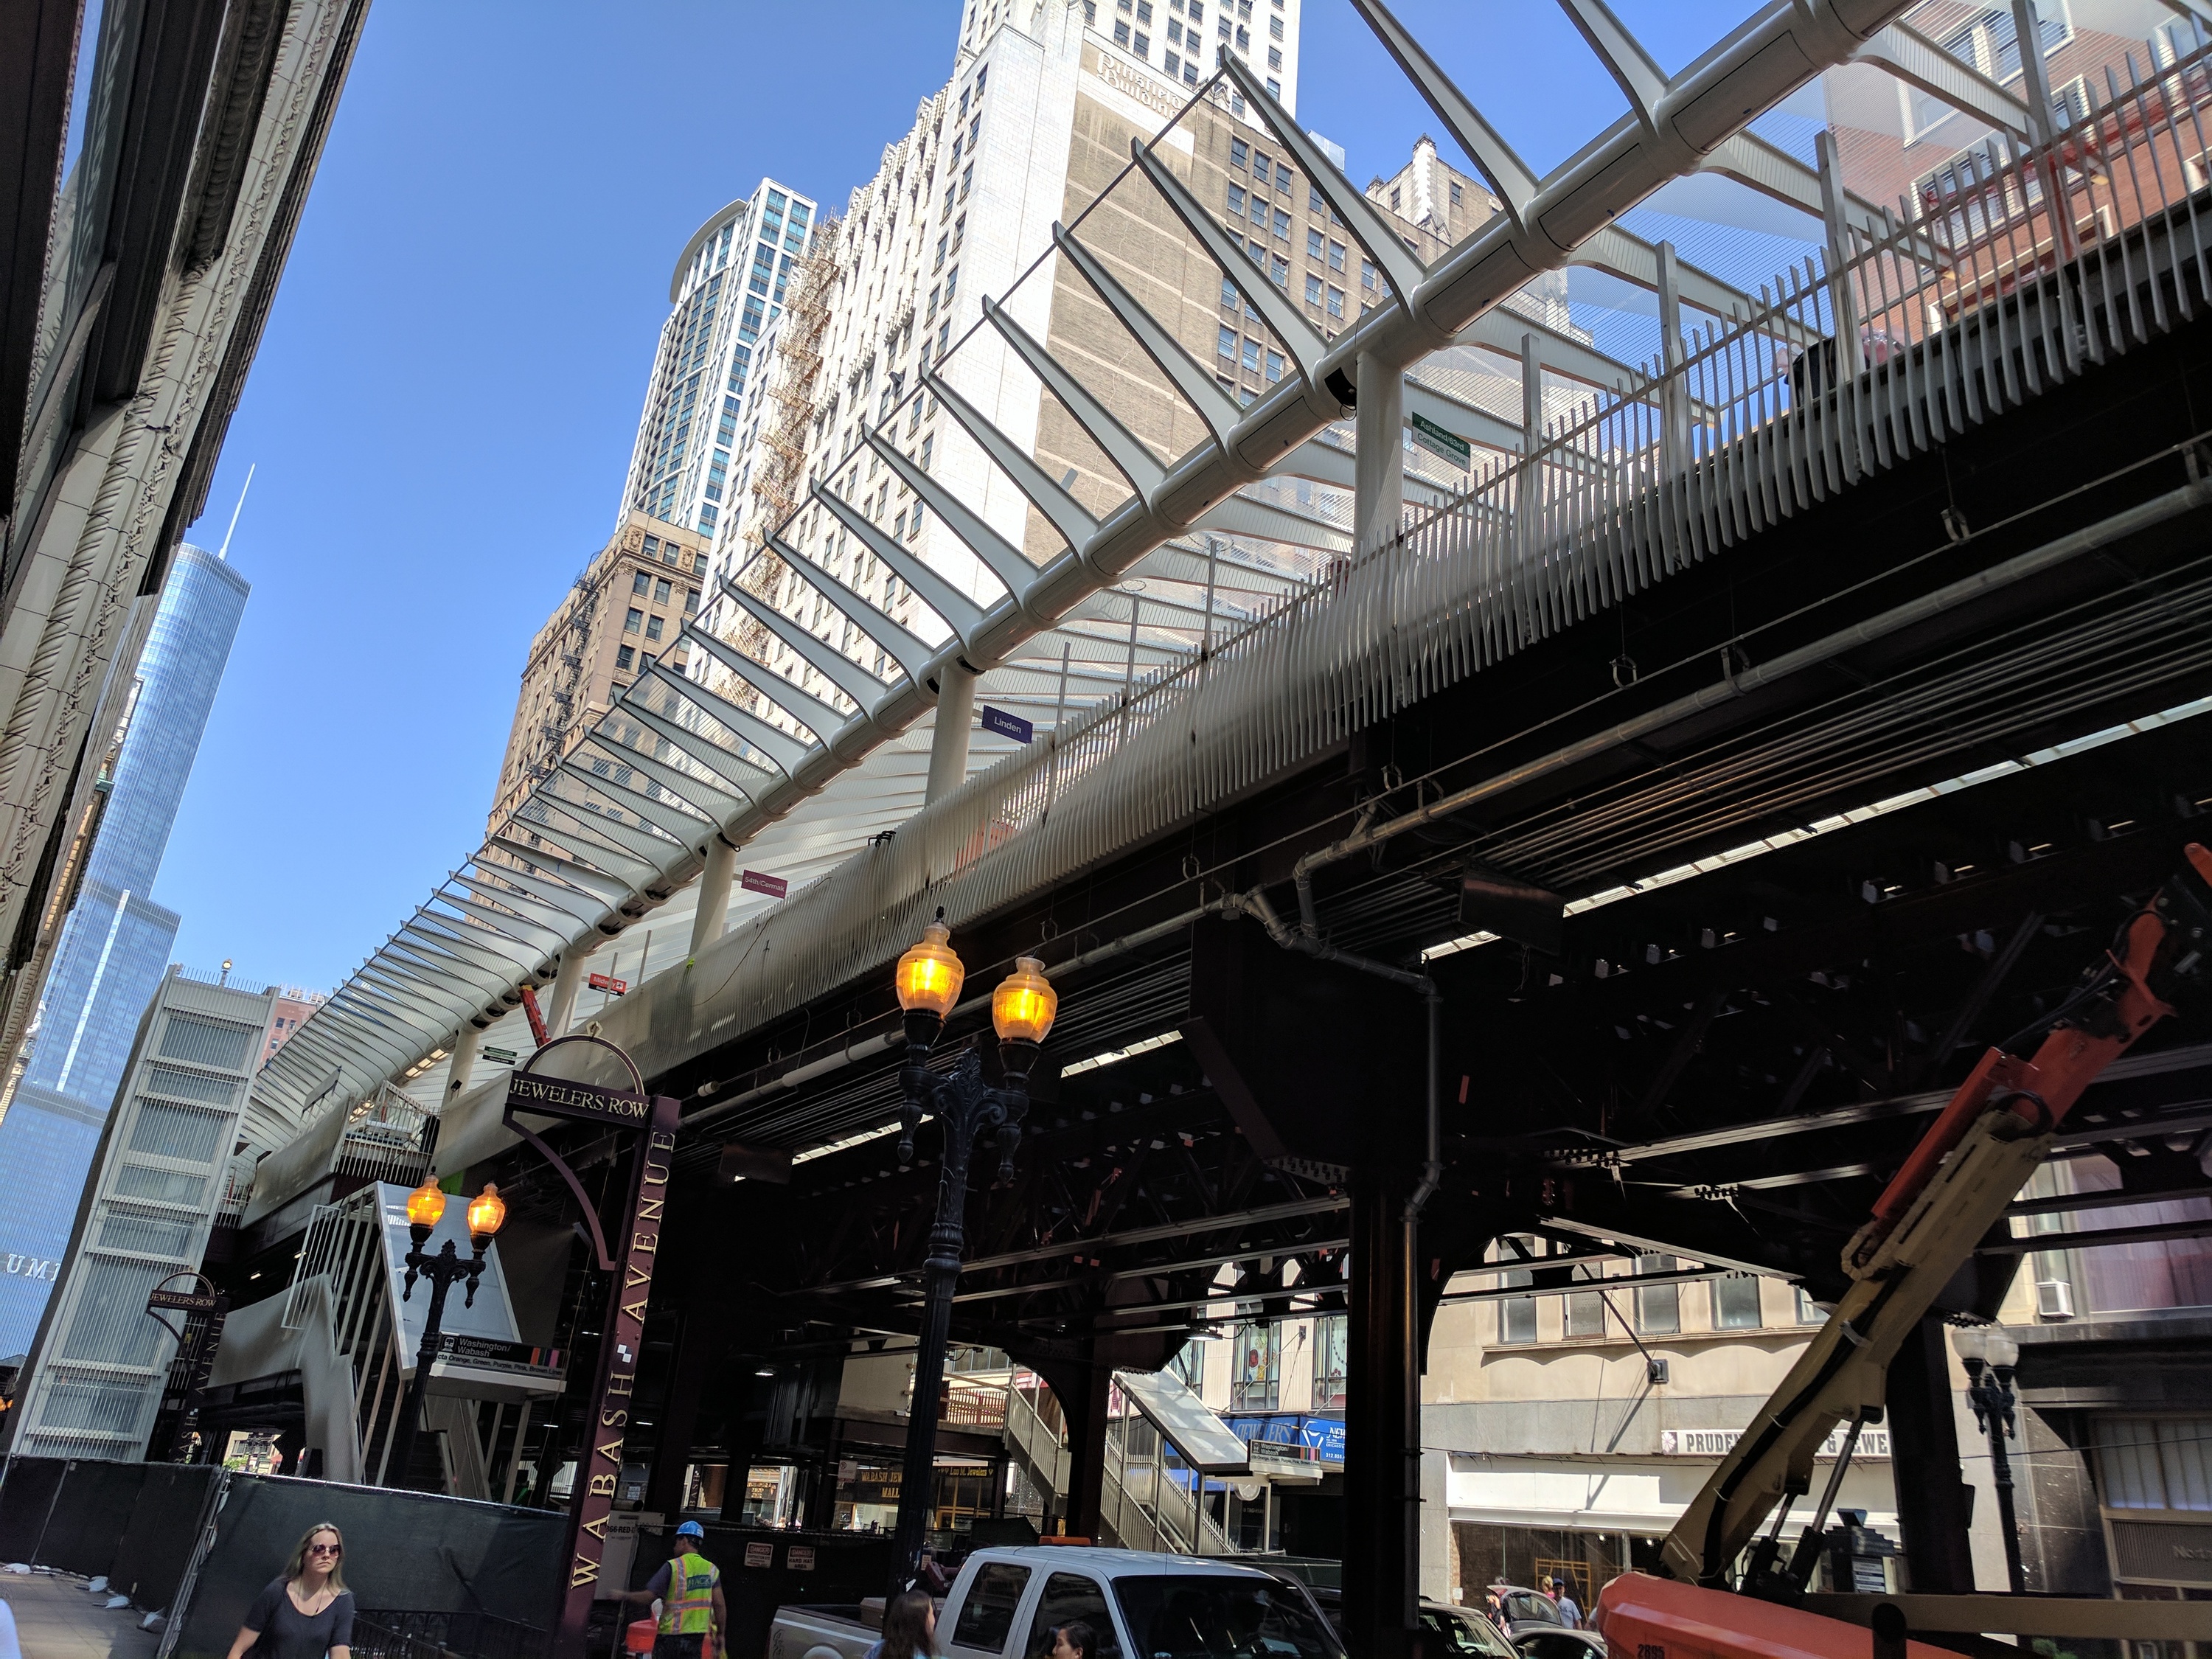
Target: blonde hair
[[299, 1563]]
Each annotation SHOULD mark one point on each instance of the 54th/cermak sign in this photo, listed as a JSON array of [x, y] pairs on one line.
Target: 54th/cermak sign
[[631, 1262]]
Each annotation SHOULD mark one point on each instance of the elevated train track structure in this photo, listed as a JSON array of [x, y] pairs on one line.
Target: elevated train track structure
[[1736, 762]]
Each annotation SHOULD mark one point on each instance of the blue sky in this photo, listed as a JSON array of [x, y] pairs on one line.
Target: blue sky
[[443, 404]]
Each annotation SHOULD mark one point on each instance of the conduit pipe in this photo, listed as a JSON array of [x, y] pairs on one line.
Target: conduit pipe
[[2146, 515]]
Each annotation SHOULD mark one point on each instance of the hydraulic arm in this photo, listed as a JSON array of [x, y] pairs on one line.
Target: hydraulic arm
[[1955, 1185]]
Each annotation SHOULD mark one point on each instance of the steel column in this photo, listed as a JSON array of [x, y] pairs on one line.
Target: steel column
[[714, 893], [1383, 1426], [1933, 1506], [1379, 500], [465, 1059], [561, 1005], [948, 740]]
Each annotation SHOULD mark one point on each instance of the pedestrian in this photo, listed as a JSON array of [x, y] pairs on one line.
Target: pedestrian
[[1075, 1641], [1571, 1614], [306, 1611], [909, 1628], [689, 1587]]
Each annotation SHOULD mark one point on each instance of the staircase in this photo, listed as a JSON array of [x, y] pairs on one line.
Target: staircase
[[1150, 1498]]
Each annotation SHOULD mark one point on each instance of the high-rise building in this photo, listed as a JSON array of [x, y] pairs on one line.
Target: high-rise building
[[728, 292], [116, 941], [165, 1168], [612, 625], [295, 1005]]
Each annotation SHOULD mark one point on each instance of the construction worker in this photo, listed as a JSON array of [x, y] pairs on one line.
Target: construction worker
[[689, 1587]]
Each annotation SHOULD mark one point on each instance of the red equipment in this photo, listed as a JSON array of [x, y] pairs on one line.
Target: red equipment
[[1955, 1185]]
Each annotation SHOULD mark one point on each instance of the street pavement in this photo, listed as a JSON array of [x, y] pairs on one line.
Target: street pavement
[[55, 1619]]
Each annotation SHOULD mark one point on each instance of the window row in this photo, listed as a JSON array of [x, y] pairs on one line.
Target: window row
[[1655, 1310], [644, 584]]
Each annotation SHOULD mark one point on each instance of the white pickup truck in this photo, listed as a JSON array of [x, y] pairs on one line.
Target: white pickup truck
[[1006, 1603]]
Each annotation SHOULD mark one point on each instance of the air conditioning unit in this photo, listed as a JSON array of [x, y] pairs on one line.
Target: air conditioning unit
[[2054, 1298]]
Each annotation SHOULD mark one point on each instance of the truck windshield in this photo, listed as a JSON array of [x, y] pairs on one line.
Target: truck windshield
[[1193, 1616]]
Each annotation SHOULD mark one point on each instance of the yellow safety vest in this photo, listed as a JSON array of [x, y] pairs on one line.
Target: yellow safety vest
[[688, 1608]]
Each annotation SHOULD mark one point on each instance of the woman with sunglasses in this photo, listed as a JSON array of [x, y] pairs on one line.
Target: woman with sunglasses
[[305, 1612]]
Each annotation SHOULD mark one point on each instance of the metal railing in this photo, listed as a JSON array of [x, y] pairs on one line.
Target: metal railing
[[392, 1633], [1149, 1498]]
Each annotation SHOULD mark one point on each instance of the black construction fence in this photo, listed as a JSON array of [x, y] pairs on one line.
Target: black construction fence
[[763, 1569], [200, 1543]]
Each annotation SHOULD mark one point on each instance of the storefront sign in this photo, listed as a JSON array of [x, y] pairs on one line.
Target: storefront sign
[[582, 1102], [1874, 1442], [608, 983], [754, 882], [183, 1301], [499, 1056]]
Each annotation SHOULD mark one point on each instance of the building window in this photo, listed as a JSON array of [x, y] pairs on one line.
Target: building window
[[1516, 1314], [1188, 1366], [691, 601], [2155, 1462], [1275, 61], [1237, 201], [1174, 64], [1275, 28], [652, 627], [1313, 289], [1143, 46], [1280, 271], [1145, 12], [1240, 153], [1735, 1302], [1336, 255], [1585, 1313], [1658, 1307], [1455, 195], [633, 621], [1366, 274], [1336, 302], [1394, 197], [1332, 1361], [951, 283], [1252, 355], [640, 583], [1282, 226], [1228, 294], [660, 592], [927, 443], [1809, 1312], [1257, 1383], [1228, 347], [624, 656], [1120, 34], [1275, 366], [1313, 243]]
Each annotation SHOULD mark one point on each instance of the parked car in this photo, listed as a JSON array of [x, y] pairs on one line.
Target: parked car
[[1006, 1603], [1465, 1631], [1553, 1641], [1523, 1607]]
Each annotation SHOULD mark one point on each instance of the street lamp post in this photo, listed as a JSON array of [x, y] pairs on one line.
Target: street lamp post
[[425, 1204], [1989, 1355], [929, 978]]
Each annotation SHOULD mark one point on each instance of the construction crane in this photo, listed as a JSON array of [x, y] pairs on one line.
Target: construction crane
[[1952, 1189]]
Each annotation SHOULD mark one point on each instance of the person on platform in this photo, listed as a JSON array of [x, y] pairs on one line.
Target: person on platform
[[689, 1587], [307, 1612], [909, 1628]]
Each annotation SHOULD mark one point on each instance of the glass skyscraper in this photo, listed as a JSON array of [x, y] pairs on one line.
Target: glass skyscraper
[[115, 944]]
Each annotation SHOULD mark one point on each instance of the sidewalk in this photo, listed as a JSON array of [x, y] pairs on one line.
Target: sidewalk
[[56, 1620]]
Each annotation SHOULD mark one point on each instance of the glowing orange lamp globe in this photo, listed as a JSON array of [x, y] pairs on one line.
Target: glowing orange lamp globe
[[930, 976], [1022, 1006]]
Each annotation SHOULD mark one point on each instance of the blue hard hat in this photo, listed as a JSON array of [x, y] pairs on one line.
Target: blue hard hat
[[690, 1529]]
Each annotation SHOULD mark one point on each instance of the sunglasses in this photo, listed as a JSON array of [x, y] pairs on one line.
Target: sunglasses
[[325, 1549]]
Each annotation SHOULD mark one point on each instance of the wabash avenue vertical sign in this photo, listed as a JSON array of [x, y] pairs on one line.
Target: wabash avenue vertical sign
[[615, 1376]]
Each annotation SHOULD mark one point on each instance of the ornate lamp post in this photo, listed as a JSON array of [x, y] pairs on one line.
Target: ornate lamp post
[[929, 978], [1989, 1355], [425, 1204]]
